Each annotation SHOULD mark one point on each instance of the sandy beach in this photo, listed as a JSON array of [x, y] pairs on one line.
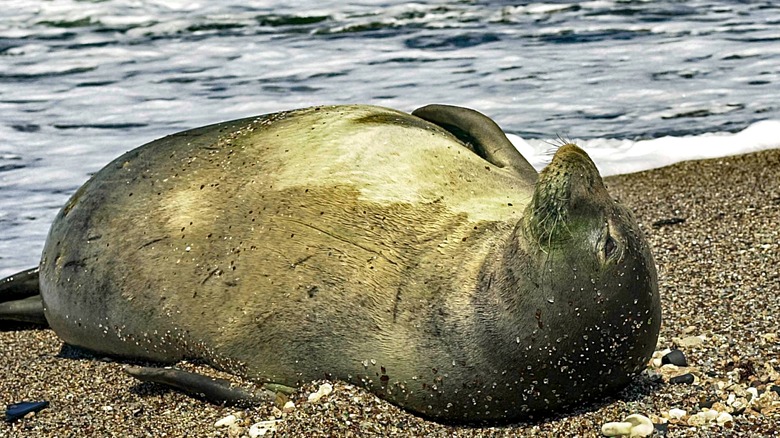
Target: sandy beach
[[714, 226]]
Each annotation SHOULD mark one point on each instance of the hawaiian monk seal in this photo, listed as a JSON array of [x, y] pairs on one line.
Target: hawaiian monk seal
[[420, 256]]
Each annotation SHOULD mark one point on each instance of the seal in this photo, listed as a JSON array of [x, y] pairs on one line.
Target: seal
[[420, 256]]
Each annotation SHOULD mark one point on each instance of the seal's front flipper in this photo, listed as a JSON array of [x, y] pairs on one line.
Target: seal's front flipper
[[218, 391], [20, 299], [481, 134]]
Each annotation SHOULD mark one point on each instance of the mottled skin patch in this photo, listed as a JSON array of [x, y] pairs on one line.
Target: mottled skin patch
[[362, 244]]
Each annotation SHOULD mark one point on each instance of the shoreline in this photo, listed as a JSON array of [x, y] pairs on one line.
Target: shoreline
[[714, 226]]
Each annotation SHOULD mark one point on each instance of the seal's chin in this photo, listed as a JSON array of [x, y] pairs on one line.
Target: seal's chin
[[567, 187]]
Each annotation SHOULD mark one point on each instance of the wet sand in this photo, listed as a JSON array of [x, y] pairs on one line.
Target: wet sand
[[715, 230]]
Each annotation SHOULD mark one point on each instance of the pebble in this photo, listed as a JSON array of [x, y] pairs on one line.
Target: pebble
[[697, 420], [675, 357], [709, 414], [324, 389], [635, 425], [226, 421], [677, 413], [262, 428], [683, 379], [724, 418], [690, 341], [657, 359]]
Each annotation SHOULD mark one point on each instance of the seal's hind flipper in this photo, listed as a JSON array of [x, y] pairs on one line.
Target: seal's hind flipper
[[20, 285], [20, 299], [218, 391], [481, 134], [29, 310]]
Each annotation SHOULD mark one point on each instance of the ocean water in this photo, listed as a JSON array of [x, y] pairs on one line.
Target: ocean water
[[639, 84]]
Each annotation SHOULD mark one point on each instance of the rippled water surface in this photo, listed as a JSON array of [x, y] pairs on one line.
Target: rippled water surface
[[83, 81]]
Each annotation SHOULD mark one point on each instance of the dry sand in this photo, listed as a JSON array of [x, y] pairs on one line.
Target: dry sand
[[714, 226]]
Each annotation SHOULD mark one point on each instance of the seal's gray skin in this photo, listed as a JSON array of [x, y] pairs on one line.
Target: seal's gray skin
[[362, 244]]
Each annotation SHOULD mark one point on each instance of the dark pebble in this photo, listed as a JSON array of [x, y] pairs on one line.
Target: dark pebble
[[686, 378], [661, 429], [775, 388], [675, 357], [707, 404], [669, 221], [19, 410]]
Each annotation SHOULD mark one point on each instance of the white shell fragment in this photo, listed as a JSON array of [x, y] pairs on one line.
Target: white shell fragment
[[227, 421], [635, 425], [325, 389]]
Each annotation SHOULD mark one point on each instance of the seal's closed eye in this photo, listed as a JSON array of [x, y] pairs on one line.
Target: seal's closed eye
[[481, 134]]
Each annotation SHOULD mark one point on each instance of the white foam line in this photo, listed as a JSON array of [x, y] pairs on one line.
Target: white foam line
[[615, 156]]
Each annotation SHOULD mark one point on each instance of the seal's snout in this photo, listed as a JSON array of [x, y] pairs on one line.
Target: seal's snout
[[570, 172], [568, 184], [571, 161], [569, 149]]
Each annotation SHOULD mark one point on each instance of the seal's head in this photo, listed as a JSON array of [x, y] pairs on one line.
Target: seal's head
[[591, 293]]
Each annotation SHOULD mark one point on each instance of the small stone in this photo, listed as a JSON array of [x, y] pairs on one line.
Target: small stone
[[616, 428], [684, 379], [675, 357], [697, 420], [107, 408], [739, 404], [324, 389], [709, 414], [720, 407], [677, 413], [707, 403], [227, 421], [690, 341], [669, 368], [288, 407], [635, 425], [235, 431], [724, 418], [655, 360], [262, 428]]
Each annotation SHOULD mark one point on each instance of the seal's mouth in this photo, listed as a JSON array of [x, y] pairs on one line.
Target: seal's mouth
[[566, 187]]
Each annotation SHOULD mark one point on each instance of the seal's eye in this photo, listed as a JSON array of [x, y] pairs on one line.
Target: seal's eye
[[609, 247]]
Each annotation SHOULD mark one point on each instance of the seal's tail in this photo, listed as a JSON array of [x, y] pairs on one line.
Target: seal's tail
[[20, 298]]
